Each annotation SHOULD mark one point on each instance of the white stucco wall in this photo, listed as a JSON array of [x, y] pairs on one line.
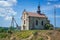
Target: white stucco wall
[[25, 17]]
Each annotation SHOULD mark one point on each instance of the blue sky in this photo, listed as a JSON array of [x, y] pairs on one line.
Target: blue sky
[[16, 7]]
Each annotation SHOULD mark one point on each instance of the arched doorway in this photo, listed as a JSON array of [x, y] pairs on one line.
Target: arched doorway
[[23, 27]]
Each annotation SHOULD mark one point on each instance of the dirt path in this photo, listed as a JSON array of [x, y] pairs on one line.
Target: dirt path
[[29, 38], [49, 38]]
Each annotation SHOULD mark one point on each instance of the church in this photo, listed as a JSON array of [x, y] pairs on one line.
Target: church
[[33, 21]]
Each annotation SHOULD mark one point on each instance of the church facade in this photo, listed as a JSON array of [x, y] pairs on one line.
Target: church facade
[[33, 21]]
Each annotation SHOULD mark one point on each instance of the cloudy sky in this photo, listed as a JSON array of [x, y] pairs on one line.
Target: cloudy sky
[[16, 7]]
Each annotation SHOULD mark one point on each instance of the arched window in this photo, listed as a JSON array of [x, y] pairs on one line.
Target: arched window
[[36, 22], [42, 23], [23, 27], [24, 21], [24, 16]]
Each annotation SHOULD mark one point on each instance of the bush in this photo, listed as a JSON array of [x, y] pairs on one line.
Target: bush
[[2, 30], [48, 27], [10, 32], [41, 38], [51, 28]]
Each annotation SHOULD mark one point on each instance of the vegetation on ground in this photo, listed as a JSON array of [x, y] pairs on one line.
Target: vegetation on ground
[[37, 34]]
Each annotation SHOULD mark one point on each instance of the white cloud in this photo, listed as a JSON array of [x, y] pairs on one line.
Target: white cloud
[[8, 18], [53, 0], [4, 3], [2, 15], [6, 10], [48, 3], [46, 8], [57, 6], [52, 16], [8, 2]]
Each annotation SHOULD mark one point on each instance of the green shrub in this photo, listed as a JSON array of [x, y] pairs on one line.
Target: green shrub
[[51, 28], [10, 32], [48, 27], [41, 38], [2, 30]]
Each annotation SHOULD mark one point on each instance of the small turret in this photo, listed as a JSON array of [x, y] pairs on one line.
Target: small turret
[[39, 11]]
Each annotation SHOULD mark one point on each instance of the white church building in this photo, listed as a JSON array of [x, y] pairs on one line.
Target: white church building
[[33, 21]]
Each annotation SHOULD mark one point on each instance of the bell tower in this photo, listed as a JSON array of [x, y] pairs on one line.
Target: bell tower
[[38, 10]]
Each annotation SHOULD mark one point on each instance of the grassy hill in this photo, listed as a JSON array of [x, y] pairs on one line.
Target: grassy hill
[[31, 35]]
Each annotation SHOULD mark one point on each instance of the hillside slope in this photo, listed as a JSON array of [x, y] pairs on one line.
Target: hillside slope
[[34, 35]]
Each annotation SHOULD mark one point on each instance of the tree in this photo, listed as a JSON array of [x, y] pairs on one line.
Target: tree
[[2, 29], [48, 26]]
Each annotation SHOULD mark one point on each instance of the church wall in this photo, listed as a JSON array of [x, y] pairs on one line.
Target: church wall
[[25, 18], [32, 23]]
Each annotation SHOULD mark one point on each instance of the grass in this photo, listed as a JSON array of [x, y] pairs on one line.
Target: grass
[[3, 35], [23, 34], [19, 34], [26, 33]]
